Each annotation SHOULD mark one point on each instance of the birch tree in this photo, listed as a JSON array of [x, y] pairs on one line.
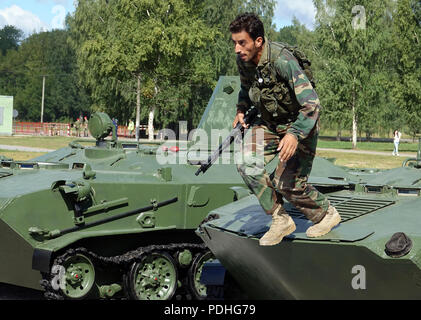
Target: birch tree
[[406, 85], [135, 45], [352, 51]]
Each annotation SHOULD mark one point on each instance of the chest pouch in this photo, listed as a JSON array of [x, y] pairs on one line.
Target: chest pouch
[[271, 93]]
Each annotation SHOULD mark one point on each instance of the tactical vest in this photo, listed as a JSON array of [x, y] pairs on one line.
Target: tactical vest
[[271, 93]]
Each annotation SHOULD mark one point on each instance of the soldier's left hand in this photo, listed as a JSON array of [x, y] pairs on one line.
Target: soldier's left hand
[[288, 146]]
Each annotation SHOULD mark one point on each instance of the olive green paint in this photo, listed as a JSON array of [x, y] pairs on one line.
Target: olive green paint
[[70, 188]]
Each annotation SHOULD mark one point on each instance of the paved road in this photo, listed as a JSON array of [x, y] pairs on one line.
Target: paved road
[[20, 148], [380, 153]]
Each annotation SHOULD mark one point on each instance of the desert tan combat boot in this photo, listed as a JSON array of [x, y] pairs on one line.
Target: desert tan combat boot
[[282, 225], [331, 219]]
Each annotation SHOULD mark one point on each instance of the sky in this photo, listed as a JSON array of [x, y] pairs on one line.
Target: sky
[[285, 10], [35, 15], [41, 15]]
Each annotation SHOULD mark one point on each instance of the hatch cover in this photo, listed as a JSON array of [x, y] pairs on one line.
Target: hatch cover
[[348, 207], [247, 218]]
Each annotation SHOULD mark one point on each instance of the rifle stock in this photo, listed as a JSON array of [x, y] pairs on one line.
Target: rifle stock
[[252, 113]]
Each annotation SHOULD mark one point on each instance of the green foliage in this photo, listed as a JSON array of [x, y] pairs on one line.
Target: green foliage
[[10, 37], [117, 42], [353, 62], [406, 91], [179, 48], [43, 54], [416, 8], [286, 35]]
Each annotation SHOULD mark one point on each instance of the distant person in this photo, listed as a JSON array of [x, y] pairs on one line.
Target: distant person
[[77, 127], [396, 138], [85, 127], [115, 122], [130, 128]]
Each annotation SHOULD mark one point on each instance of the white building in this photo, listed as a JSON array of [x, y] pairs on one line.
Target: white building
[[6, 116]]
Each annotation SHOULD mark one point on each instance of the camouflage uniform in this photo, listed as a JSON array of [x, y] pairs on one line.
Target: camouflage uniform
[[77, 127], [288, 103]]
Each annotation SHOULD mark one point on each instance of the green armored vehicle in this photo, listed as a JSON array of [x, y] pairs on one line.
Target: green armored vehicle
[[115, 219], [374, 253]]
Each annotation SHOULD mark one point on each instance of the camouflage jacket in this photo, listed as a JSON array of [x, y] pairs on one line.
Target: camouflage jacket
[[280, 89]]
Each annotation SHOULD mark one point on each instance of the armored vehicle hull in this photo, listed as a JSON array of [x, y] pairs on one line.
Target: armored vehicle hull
[[356, 260], [113, 219]]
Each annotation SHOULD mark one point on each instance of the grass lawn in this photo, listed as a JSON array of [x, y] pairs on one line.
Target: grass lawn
[[34, 142], [352, 160], [372, 146], [60, 142], [38, 142], [20, 155]]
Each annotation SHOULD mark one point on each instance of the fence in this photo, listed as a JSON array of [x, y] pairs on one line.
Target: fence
[[61, 129], [38, 128], [122, 131]]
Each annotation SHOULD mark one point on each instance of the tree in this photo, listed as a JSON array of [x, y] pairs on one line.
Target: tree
[[406, 90], [43, 54], [10, 38], [134, 47], [354, 55], [286, 35], [416, 8]]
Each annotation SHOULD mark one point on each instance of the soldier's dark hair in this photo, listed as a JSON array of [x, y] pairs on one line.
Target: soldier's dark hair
[[250, 23]]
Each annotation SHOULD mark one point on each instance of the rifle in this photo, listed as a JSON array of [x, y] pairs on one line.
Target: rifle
[[252, 113]]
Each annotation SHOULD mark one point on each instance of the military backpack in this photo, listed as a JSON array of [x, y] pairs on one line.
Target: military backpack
[[302, 59]]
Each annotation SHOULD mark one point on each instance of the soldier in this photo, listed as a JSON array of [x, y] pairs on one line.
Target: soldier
[[85, 126], [131, 128], [77, 127], [273, 81], [115, 122]]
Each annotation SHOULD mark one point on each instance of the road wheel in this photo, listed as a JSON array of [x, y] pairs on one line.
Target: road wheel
[[154, 277], [198, 289], [75, 277]]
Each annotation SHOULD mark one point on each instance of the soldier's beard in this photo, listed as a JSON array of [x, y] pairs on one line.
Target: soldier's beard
[[256, 54], [250, 56]]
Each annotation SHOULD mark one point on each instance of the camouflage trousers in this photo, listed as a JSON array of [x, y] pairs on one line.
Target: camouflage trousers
[[288, 180]]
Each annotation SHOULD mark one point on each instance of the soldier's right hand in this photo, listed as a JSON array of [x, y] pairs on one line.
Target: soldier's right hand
[[239, 118]]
